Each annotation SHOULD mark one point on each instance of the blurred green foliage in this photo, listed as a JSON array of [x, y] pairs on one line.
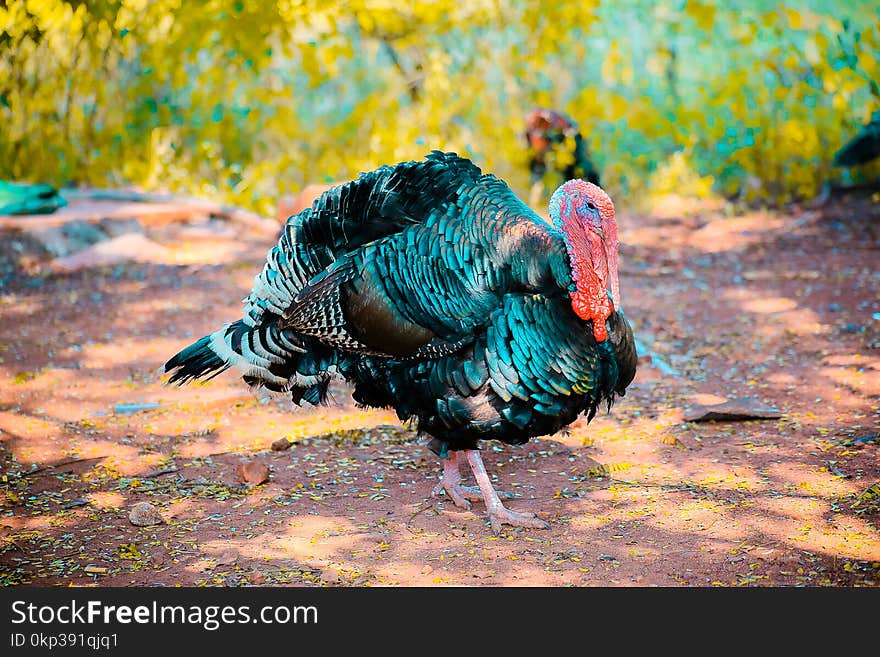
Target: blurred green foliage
[[245, 100]]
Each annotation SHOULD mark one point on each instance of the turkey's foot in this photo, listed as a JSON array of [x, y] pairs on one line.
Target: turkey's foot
[[461, 495], [501, 515], [498, 513]]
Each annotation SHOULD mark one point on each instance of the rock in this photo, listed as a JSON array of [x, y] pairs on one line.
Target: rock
[[21, 253], [281, 444], [741, 408], [117, 227], [252, 473], [257, 577], [130, 247], [228, 558], [144, 514], [329, 576], [427, 570], [53, 241], [81, 234]]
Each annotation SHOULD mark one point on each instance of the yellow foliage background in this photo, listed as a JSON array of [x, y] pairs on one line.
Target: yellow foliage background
[[245, 100]]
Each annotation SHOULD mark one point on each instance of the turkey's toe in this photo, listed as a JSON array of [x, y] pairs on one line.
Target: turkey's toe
[[503, 516], [461, 495]]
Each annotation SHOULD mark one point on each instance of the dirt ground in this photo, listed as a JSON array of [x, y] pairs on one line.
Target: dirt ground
[[780, 308]]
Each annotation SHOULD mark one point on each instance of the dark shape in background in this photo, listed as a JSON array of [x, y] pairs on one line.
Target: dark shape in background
[[555, 141], [862, 148]]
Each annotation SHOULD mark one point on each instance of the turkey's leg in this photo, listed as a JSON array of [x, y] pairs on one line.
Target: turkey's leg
[[498, 513], [451, 483]]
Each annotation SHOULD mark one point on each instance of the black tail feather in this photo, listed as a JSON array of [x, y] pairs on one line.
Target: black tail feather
[[194, 362], [316, 395]]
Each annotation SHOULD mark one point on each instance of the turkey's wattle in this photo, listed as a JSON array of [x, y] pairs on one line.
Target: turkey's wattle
[[434, 290], [584, 214]]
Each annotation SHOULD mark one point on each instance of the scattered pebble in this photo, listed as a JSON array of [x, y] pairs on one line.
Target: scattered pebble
[[281, 444], [257, 577], [253, 473], [144, 514]]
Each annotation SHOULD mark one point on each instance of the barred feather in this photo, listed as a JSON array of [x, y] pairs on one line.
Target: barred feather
[[197, 361]]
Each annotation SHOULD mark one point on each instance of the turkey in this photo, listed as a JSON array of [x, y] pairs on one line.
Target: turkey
[[434, 290], [863, 147], [555, 140]]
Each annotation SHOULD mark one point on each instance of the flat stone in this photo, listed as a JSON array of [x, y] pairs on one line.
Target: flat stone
[[732, 410]]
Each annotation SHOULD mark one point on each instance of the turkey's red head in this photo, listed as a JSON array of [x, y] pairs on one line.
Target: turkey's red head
[[584, 214]]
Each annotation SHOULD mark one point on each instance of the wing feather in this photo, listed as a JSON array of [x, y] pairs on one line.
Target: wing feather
[[431, 247]]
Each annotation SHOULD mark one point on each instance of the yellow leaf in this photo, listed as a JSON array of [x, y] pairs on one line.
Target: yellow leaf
[[704, 14]]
